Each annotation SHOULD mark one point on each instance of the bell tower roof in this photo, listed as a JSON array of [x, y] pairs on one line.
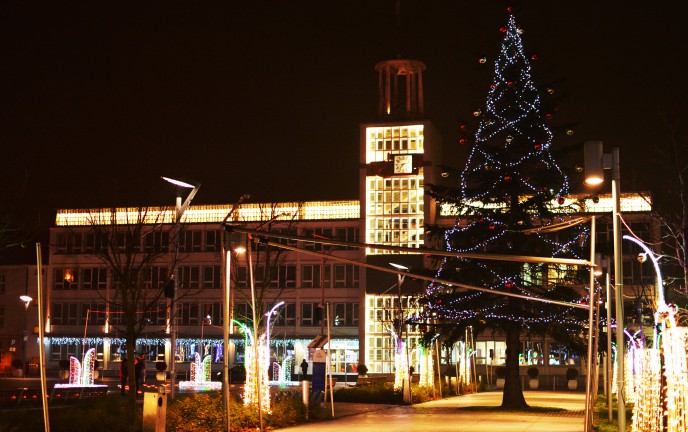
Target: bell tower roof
[[400, 90]]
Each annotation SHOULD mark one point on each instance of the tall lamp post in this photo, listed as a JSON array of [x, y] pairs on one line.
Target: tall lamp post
[[596, 161], [227, 305], [402, 326], [180, 208], [25, 333]]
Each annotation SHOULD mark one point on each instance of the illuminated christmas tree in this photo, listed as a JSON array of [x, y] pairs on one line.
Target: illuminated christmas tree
[[510, 199]]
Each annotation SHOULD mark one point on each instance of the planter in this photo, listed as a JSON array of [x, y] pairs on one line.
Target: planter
[[572, 384], [500, 383], [161, 376], [534, 383], [96, 374]]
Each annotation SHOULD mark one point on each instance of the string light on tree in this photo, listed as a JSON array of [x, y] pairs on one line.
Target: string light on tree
[[510, 194]]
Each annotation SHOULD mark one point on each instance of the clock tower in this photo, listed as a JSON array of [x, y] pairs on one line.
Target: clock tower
[[399, 156]]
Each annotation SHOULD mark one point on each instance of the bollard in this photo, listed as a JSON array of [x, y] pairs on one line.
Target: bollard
[[304, 395], [154, 411]]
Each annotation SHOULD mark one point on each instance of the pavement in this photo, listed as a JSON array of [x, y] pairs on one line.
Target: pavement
[[473, 412], [562, 411]]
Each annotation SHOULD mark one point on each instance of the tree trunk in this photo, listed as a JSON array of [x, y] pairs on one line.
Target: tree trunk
[[512, 396], [131, 365]]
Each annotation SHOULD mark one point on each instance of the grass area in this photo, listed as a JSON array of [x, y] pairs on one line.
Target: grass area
[[116, 412], [602, 423]]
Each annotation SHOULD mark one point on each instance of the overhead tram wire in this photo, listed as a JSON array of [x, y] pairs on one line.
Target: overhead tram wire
[[473, 255], [264, 234]]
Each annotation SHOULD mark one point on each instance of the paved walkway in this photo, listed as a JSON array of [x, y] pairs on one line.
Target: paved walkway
[[472, 412]]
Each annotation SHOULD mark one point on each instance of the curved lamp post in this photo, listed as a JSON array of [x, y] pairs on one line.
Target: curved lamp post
[[180, 208]]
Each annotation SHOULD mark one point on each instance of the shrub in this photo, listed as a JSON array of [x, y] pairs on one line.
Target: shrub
[[500, 371], [204, 411], [362, 369], [161, 366], [533, 372], [382, 393], [571, 374], [17, 364]]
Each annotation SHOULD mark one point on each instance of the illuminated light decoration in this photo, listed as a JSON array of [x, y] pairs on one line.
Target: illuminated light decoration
[[647, 409], [81, 374], [200, 376], [483, 210], [283, 372], [476, 113], [251, 397], [400, 362], [427, 367]]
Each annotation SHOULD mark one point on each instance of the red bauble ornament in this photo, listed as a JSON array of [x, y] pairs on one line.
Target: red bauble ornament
[[463, 141], [492, 86], [507, 178], [503, 29], [549, 115], [535, 57], [463, 127], [508, 284], [510, 83], [508, 9], [492, 227], [537, 146], [561, 200]]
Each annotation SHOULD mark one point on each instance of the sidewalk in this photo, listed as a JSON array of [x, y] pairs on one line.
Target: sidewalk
[[473, 412]]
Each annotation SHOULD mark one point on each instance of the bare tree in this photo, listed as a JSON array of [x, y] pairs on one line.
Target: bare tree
[[270, 268], [134, 245], [672, 154]]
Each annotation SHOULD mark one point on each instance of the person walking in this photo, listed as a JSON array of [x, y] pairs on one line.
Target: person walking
[[137, 371], [123, 375], [304, 369]]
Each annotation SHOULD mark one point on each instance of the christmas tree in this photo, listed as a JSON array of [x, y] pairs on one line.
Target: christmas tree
[[509, 202]]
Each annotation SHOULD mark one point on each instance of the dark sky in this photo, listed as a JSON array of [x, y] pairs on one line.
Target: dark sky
[[266, 97]]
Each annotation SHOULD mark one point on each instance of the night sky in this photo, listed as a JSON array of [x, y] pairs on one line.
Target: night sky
[[266, 97]]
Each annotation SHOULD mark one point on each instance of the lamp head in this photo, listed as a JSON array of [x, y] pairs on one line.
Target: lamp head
[[179, 183], [594, 165], [26, 299], [399, 267]]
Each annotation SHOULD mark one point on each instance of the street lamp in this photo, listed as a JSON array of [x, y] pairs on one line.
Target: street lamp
[[25, 333], [180, 208], [596, 161]]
